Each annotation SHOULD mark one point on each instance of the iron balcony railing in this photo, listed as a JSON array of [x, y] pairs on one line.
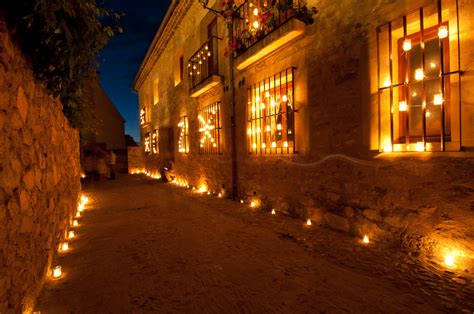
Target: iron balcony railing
[[255, 19], [204, 63]]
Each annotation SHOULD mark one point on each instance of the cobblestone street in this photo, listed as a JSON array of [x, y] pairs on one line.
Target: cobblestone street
[[143, 246]]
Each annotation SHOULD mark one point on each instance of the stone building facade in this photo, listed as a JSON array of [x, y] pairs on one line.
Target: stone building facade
[[39, 178], [362, 120]]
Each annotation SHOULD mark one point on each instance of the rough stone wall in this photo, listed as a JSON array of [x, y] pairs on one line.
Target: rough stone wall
[[136, 162], [337, 178], [39, 178]]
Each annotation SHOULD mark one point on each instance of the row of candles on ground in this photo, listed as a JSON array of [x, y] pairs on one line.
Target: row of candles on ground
[[449, 259], [69, 235]]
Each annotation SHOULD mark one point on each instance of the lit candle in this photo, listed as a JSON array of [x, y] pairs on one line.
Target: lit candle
[[64, 247], [57, 272], [252, 204], [273, 212], [241, 201], [438, 99], [419, 75], [402, 106], [449, 260], [443, 32], [366, 239], [255, 24], [407, 45], [78, 214], [308, 222], [219, 195], [80, 207], [75, 223], [71, 234], [420, 147]]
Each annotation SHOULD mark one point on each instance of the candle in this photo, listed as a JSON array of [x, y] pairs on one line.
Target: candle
[[308, 222], [57, 272], [75, 223], [273, 212], [64, 247], [366, 239], [71, 234]]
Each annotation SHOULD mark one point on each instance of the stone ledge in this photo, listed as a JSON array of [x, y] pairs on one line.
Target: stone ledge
[[290, 30], [205, 85]]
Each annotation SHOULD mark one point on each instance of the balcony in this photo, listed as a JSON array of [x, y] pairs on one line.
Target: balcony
[[203, 68], [261, 29]]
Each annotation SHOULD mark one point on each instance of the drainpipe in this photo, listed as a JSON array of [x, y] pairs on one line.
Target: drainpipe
[[230, 35]]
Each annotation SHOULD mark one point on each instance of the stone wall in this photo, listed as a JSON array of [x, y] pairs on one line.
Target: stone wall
[[136, 161], [338, 177], [39, 178]]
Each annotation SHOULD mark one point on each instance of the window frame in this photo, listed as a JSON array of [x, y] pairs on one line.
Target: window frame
[[258, 142], [210, 129], [183, 135]]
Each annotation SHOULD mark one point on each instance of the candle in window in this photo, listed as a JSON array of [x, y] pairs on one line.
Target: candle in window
[[284, 98], [407, 45], [255, 11], [267, 94], [255, 24], [274, 144], [443, 32], [420, 147], [264, 145], [254, 145], [57, 272], [279, 127], [272, 103], [285, 144], [419, 75], [402, 106], [268, 128], [438, 99]]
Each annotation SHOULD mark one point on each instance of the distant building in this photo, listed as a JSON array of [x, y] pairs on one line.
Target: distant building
[[106, 125]]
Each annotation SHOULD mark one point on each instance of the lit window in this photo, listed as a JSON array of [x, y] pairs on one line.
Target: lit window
[[154, 141], [210, 130], [183, 144], [270, 112], [156, 92], [416, 85], [142, 116], [147, 143]]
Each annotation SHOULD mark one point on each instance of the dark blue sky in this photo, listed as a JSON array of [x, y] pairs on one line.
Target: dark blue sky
[[122, 57]]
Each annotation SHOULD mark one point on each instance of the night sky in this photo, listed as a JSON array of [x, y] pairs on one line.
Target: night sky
[[122, 57]]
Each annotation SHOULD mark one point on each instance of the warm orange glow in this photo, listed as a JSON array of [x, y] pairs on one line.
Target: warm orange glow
[[449, 260], [71, 234], [78, 214], [75, 223], [438, 99], [241, 201], [308, 222], [273, 212], [443, 31], [419, 75], [407, 45], [64, 247], [57, 272], [219, 195], [420, 147], [366, 239], [252, 204], [402, 106]]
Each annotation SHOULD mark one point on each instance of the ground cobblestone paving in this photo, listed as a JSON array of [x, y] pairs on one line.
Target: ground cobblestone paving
[[148, 247]]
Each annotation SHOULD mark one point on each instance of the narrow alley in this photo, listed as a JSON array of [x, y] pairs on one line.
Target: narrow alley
[[143, 246]]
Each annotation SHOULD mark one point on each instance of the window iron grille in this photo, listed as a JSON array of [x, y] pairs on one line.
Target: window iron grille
[[271, 115], [210, 129]]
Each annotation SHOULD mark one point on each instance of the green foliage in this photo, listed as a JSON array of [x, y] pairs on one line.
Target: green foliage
[[63, 39]]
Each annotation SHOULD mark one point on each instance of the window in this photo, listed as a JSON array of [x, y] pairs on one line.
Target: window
[[270, 112], [156, 92], [419, 84], [142, 116], [154, 142], [210, 130], [178, 68], [183, 143], [147, 143]]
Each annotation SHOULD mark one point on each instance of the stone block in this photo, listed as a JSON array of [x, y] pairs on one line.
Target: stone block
[[337, 222], [22, 104], [29, 179], [372, 214]]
